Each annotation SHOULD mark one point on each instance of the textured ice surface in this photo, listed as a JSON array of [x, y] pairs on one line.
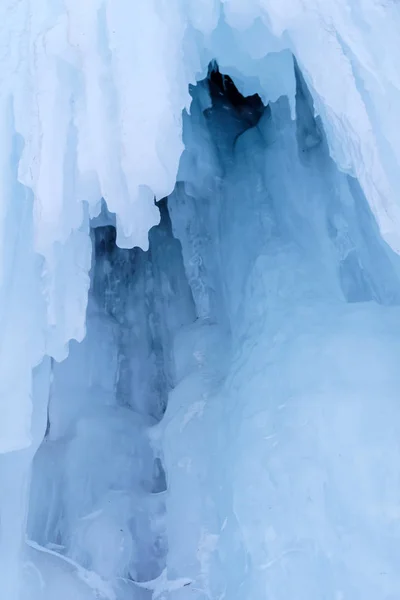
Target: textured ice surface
[[281, 432], [91, 106], [268, 333]]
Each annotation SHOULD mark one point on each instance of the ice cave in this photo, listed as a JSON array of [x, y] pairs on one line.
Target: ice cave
[[200, 300]]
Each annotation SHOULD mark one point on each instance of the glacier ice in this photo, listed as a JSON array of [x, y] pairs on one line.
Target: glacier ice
[[199, 299]]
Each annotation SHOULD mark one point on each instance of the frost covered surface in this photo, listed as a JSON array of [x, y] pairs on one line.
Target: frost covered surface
[[251, 352]]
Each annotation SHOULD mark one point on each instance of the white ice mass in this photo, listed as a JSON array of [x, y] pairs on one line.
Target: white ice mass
[[200, 300]]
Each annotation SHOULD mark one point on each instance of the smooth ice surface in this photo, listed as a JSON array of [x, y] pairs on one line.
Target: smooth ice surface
[[268, 333]]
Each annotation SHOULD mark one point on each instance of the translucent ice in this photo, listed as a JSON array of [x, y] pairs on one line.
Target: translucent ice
[[218, 415], [91, 106], [277, 432]]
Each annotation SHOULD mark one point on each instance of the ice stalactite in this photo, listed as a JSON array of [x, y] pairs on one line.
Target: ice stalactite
[[96, 107], [217, 433], [248, 353]]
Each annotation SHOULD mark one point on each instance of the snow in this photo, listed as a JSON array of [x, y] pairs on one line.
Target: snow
[[251, 352]]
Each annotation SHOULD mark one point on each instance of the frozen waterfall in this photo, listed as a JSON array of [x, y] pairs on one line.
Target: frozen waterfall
[[200, 300]]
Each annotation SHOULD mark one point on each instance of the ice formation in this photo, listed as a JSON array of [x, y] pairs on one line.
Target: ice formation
[[200, 300]]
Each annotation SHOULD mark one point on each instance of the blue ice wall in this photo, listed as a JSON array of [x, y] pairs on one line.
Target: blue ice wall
[[229, 426], [281, 433]]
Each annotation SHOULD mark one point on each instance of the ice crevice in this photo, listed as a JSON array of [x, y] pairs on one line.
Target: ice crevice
[[199, 301]]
